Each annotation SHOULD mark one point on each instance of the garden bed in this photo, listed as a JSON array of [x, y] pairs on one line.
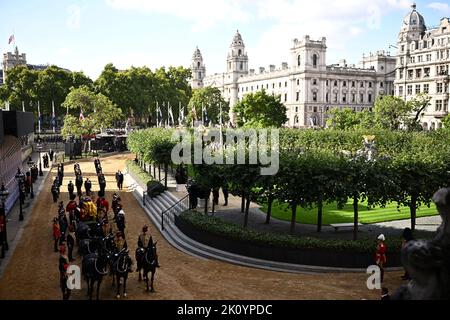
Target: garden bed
[[229, 237]]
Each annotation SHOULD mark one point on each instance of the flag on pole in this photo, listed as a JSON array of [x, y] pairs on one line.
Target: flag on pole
[[194, 113], [39, 117], [81, 115], [171, 115], [11, 39], [53, 117]]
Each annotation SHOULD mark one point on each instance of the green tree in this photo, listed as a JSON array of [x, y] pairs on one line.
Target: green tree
[[98, 111], [391, 112], [211, 99], [19, 86], [260, 110], [348, 119]]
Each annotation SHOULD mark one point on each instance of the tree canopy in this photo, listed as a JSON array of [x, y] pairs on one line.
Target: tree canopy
[[260, 110]]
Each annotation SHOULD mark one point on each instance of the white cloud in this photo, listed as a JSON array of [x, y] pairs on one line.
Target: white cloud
[[443, 7], [202, 13], [73, 21], [339, 21]]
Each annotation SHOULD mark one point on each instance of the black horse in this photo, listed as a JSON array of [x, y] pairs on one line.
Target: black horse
[[94, 267], [146, 260], [121, 266]]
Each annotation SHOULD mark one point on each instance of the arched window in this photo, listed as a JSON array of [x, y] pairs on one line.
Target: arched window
[[239, 52], [298, 60], [315, 58], [198, 64]]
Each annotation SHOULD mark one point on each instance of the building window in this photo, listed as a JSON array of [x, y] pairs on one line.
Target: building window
[[279, 84], [410, 74], [353, 97], [285, 97], [438, 87], [361, 97], [298, 82], [370, 84], [315, 57], [426, 88], [409, 90], [326, 97], [315, 96], [297, 96], [353, 84], [369, 98], [418, 73], [344, 84], [335, 97], [381, 84], [199, 75], [417, 88], [298, 60], [241, 66], [400, 74], [198, 64], [438, 106], [326, 82], [314, 82], [273, 85], [296, 109], [361, 85], [251, 88], [335, 83], [267, 86], [344, 98], [315, 109], [285, 84], [239, 52]]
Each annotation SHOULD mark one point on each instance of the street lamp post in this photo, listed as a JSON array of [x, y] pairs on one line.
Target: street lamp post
[[4, 193], [30, 165], [39, 147], [19, 177]]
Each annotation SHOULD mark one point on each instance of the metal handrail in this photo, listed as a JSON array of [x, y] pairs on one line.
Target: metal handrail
[[170, 208]]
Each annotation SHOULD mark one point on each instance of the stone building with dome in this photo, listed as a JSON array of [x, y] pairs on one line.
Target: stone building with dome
[[308, 86], [422, 67]]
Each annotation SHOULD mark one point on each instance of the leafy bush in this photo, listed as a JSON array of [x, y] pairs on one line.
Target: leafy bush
[[154, 188]]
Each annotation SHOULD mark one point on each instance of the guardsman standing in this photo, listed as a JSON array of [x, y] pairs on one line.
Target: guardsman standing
[[55, 192], [88, 186]]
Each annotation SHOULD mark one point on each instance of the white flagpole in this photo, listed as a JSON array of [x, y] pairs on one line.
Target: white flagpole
[[203, 122], [157, 115], [53, 116], [23, 106], [39, 117], [220, 117]]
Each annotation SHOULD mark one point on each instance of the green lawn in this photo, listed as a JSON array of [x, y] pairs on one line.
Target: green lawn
[[331, 214]]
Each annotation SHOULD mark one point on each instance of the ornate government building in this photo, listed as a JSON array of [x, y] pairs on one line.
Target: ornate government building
[[307, 86], [423, 61]]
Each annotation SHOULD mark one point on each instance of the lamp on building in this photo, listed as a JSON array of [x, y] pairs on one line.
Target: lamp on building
[[19, 177], [4, 193], [39, 147], [30, 165]]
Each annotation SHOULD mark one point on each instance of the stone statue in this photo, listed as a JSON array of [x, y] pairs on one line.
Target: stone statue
[[428, 261], [369, 151]]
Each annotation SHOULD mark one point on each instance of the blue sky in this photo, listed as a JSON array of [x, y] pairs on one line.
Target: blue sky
[[85, 35]]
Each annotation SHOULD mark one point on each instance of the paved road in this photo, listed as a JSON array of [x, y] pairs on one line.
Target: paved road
[[32, 271]]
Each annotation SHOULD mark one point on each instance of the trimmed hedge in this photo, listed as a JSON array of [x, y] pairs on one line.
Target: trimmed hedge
[[229, 230], [154, 187]]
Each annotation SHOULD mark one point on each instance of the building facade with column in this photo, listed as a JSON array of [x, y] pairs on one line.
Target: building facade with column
[[307, 86], [423, 61]]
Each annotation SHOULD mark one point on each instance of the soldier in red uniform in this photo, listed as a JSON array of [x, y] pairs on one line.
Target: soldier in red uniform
[[380, 255]]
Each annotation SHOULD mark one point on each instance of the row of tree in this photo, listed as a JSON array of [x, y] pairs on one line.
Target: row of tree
[[319, 167]]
